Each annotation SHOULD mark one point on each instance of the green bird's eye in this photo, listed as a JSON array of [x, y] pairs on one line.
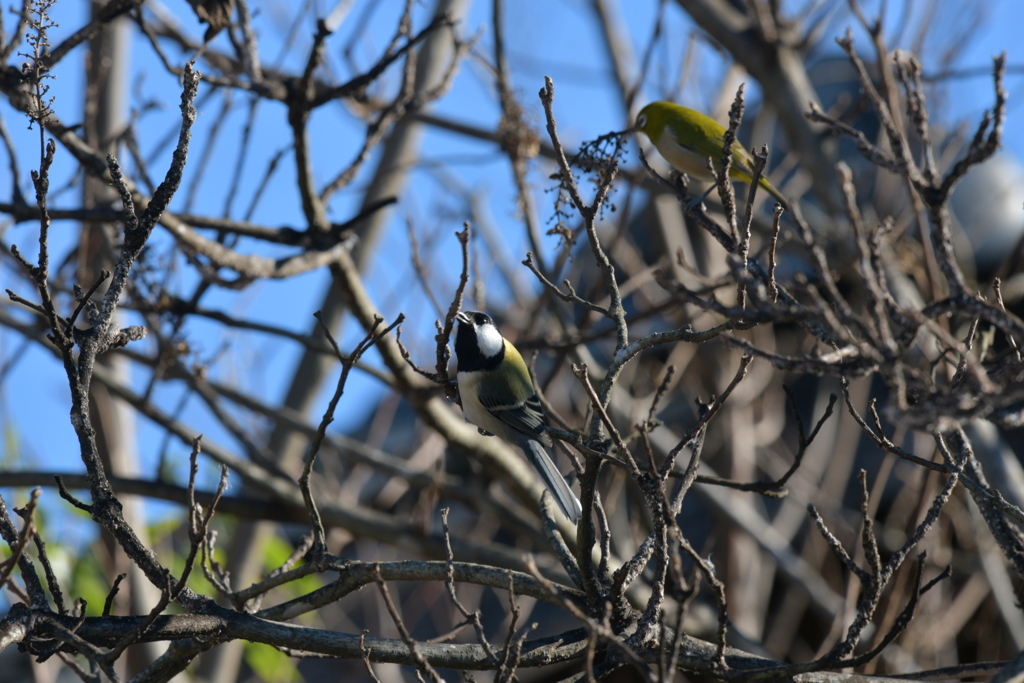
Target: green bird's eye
[[641, 121]]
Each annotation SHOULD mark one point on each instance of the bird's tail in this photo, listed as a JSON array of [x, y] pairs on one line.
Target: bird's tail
[[553, 479], [775, 193]]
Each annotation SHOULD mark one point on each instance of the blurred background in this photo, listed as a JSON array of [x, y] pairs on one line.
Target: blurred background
[[241, 360]]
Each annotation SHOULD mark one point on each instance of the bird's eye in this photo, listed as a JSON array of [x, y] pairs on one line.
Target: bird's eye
[[641, 120], [481, 319]]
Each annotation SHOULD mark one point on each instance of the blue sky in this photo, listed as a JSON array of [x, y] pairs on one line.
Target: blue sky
[[566, 45]]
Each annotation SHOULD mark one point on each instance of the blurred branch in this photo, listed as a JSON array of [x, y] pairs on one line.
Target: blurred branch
[[255, 508]]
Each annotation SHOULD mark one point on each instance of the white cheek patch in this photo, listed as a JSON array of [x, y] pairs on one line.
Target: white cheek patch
[[489, 340]]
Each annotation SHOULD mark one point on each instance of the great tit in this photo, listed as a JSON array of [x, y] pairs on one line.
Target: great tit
[[498, 397]]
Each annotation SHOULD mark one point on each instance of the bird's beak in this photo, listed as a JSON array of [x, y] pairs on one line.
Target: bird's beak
[[462, 317]]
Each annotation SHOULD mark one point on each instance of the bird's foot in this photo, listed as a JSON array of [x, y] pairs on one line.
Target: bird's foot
[[451, 392], [698, 203]]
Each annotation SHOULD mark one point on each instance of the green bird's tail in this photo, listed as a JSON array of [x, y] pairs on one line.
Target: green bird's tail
[[764, 184]]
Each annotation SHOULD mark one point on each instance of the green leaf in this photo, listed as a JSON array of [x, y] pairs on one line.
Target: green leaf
[[87, 581], [270, 664], [275, 552]]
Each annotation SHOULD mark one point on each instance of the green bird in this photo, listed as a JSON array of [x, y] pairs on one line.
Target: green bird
[[686, 138]]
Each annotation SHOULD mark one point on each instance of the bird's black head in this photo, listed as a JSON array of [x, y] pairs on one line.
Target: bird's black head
[[478, 344]]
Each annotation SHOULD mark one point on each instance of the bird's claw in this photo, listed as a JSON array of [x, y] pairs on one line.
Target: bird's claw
[[451, 392], [695, 204]]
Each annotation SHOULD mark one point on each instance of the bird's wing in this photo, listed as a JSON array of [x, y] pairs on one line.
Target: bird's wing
[[742, 163], [710, 146], [526, 417], [711, 143], [741, 160]]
